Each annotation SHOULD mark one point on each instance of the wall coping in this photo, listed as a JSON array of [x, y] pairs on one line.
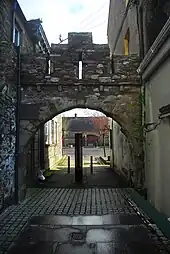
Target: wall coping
[[154, 50]]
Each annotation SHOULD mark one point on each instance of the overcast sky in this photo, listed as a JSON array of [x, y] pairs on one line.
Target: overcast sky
[[63, 16]]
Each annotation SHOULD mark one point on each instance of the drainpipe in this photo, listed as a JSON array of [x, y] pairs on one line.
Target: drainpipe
[[17, 115], [139, 12]]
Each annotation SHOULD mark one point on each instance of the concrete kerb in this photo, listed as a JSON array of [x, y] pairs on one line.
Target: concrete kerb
[[157, 217]]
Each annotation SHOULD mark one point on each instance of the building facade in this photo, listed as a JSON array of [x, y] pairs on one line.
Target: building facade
[[17, 36], [44, 149], [123, 37], [95, 130], [153, 31], [53, 142], [122, 159]]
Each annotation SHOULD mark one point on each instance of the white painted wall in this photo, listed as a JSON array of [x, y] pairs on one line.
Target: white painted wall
[[54, 150], [121, 156], [157, 149]]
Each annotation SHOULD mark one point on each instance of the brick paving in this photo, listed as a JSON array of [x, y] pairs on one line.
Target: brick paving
[[61, 201]]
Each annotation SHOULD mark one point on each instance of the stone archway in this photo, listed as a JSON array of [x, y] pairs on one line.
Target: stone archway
[[124, 109], [45, 95]]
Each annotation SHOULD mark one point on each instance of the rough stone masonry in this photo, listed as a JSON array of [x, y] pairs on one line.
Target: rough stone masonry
[[117, 94], [46, 94], [7, 123]]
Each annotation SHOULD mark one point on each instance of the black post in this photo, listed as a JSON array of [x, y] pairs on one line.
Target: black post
[[91, 164], [104, 148], [32, 158], [17, 114], [78, 158], [68, 164]]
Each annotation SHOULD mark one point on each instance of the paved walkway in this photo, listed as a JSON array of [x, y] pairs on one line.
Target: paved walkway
[[92, 220], [102, 177], [97, 217]]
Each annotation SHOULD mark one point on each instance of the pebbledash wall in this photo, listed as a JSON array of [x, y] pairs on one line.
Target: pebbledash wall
[[8, 101]]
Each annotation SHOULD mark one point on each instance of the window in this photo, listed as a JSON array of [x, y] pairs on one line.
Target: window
[[126, 43], [16, 34], [46, 132], [80, 66], [56, 132], [52, 131]]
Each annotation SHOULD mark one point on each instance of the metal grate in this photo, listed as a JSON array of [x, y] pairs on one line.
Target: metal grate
[[78, 236]]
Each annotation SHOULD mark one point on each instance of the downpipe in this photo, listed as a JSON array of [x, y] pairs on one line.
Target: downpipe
[[17, 115]]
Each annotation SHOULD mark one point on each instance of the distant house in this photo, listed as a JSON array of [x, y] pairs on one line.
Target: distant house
[[92, 129]]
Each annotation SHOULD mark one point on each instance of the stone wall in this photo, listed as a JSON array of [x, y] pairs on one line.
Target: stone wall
[[6, 23], [8, 83], [5, 20], [116, 93], [7, 122], [26, 42], [7, 149]]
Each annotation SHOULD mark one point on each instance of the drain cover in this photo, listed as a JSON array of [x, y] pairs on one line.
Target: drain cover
[[77, 236]]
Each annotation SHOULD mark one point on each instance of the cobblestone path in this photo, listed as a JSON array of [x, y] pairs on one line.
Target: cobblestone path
[[72, 202]]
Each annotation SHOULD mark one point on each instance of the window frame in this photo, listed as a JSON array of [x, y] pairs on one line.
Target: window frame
[[16, 27], [126, 42]]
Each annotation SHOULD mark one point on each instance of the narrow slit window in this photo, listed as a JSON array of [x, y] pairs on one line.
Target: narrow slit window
[[80, 66], [49, 66], [80, 70]]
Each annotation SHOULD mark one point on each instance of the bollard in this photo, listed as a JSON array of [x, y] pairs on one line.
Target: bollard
[[68, 164], [91, 164], [78, 158]]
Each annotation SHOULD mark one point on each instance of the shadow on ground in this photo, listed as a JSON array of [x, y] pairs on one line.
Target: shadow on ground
[[102, 176]]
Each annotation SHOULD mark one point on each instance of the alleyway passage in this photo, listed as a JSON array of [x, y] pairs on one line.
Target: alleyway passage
[[77, 220], [103, 176]]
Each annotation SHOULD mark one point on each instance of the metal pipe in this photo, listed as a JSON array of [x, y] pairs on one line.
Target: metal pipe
[[17, 116]]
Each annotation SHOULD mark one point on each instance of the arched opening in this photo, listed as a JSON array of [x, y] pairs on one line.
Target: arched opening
[[103, 138]]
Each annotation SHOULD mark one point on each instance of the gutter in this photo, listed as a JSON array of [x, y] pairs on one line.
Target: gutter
[[158, 43]]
